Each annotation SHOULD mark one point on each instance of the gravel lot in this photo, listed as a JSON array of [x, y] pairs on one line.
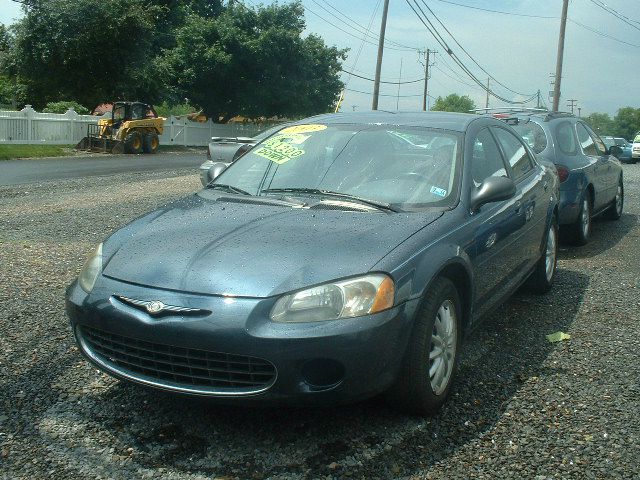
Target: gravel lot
[[522, 407]]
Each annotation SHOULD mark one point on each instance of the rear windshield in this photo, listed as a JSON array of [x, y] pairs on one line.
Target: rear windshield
[[533, 134]]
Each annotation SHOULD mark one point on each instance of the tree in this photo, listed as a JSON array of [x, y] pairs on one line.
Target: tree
[[454, 103], [253, 62], [63, 106], [601, 123], [88, 50], [627, 122]]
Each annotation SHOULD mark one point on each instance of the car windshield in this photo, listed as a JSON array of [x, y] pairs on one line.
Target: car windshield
[[637, 139], [407, 167], [621, 142], [608, 141], [533, 134]]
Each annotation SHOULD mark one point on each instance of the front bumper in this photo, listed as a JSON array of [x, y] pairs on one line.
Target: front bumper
[[315, 363]]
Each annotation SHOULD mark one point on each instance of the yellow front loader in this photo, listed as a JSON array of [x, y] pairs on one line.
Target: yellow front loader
[[134, 127]]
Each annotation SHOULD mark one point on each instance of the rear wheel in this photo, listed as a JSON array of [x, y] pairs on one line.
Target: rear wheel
[[614, 212], [133, 142], [431, 359], [580, 230], [541, 280], [151, 142]]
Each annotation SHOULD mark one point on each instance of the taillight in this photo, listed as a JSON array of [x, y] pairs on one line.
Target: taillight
[[242, 150], [563, 173]]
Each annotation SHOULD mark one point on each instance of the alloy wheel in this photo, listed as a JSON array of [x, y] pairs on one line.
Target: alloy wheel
[[585, 218], [551, 254], [443, 347]]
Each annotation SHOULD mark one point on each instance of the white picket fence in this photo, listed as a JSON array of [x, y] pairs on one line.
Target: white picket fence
[[30, 127]]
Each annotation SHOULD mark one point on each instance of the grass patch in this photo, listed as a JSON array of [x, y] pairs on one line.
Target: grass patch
[[8, 152]]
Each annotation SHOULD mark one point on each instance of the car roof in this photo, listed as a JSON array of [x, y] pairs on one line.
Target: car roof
[[444, 120]]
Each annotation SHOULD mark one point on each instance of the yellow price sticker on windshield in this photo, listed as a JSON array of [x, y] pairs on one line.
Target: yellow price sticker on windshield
[[304, 128], [279, 150]]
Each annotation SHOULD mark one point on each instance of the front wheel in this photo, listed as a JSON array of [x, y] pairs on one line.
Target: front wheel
[[133, 142], [614, 212], [431, 359], [541, 280]]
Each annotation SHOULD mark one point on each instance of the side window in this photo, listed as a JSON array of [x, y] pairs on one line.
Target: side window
[[487, 160], [586, 142], [518, 157], [600, 146], [566, 139]]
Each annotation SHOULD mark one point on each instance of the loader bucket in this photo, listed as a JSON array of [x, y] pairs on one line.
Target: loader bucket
[[100, 144]]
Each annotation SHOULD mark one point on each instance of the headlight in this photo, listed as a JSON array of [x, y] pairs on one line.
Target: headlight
[[345, 299], [91, 269]]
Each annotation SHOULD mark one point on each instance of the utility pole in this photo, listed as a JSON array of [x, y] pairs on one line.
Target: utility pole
[[399, 80], [579, 110], [486, 105], [383, 28], [563, 26], [426, 80], [539, 100], [571, 104]]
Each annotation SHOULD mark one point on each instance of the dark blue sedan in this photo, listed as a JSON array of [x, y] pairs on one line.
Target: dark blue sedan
[[344, 256], [590, 175]]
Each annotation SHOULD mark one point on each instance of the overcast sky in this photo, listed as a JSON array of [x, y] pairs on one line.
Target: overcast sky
[[601, 73]]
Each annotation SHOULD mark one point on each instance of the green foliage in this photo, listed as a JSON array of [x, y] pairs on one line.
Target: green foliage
[[63, 106], [254, 63], [625, 124], [165, 109], [454, 103], [228, 59], [601, 123], [9, 152]]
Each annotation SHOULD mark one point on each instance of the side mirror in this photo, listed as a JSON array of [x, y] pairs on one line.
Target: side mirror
[[493, 189], [216, 169], [615, 150]]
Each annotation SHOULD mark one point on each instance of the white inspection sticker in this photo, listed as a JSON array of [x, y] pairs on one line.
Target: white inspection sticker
[[441, 192]]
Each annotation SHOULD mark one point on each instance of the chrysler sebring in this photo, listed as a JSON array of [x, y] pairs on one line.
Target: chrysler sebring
[[345, 256]]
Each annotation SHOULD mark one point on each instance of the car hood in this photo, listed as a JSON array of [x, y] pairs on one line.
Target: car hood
[[208, 246]]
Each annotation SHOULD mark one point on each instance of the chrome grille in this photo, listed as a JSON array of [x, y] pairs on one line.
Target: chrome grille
[[177, 368]]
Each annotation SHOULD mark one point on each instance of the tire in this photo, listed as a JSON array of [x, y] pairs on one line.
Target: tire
[[614, 212], [151, 142], [133, 142], [414, 391], [541, 280], [580, 230]]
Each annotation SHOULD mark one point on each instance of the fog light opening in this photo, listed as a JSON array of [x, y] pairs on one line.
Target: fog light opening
[[322, 373]]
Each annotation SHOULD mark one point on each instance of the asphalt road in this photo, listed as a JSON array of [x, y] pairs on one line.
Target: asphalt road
[[16, 172]]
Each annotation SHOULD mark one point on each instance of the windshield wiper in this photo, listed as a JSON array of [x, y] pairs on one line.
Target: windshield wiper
[[227, 188], [329, 193]]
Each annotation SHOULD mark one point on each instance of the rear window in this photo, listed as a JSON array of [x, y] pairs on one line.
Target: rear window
[[533, 134], [566, 139]]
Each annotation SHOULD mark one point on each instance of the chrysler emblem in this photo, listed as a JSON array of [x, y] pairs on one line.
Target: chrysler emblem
[[154, 307]]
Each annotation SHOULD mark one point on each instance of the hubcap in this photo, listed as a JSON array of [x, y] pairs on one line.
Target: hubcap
[[443, 347], [585, 218], [550, 258], [619, 198]]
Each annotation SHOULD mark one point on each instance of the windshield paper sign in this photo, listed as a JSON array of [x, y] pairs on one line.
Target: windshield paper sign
[[281, 148]]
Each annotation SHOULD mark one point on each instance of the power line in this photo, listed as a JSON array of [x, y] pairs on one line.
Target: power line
[[497, 11], [593, 30], [390, 83], [385, 95], [616, 14], [431, 28], [364, 39], [344, 18], [467, 53]]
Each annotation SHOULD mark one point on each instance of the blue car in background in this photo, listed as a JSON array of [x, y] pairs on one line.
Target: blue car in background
[[591, 181], [625, 156], [344, 256]]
